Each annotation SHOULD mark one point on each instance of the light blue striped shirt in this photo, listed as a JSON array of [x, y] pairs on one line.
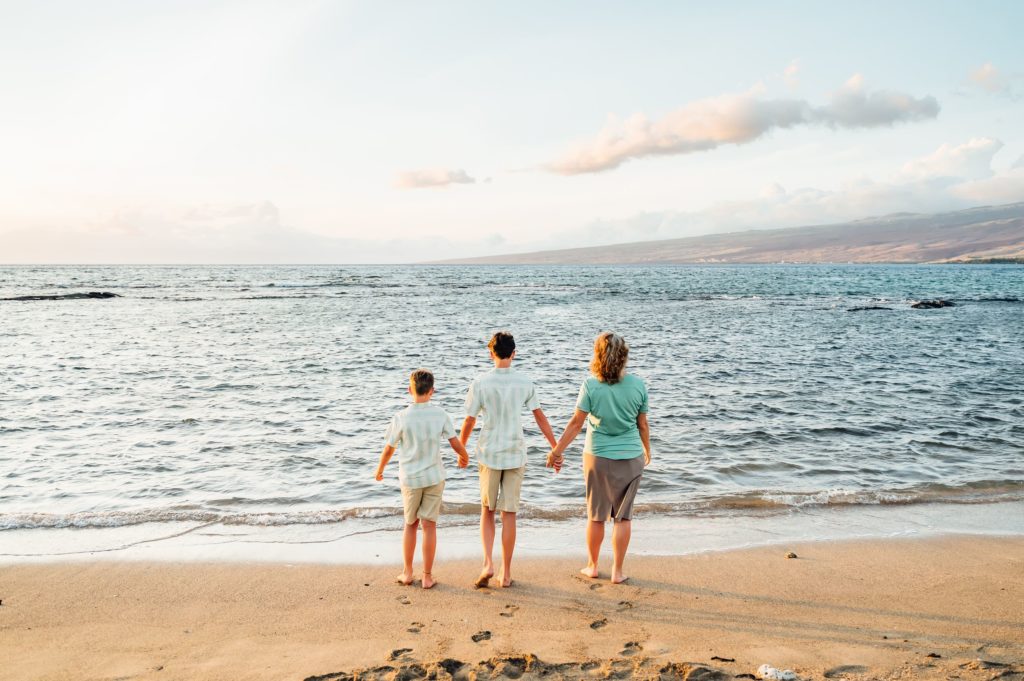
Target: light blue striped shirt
[[416, 432], [500, 396]]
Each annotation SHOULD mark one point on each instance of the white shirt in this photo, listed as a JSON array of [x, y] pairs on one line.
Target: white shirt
[[501, 395], [416, 432]]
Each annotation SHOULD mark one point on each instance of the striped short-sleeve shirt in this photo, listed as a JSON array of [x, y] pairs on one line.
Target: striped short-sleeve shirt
[[416, 432], [500, 396]]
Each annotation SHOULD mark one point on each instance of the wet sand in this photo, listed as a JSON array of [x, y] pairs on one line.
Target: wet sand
[[889, 609]]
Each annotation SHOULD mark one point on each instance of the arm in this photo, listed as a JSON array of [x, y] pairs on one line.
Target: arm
[[385, 456], [460, 450], [545, 427], [645, 436], [467, 430], [572, 429]]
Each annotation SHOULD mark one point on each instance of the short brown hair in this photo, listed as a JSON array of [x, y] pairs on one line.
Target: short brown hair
[[502, 344], [610, 355], [421, 381]]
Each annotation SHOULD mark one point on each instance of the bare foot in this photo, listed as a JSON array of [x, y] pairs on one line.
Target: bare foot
[[405, 579], [506, 582], [428, 581], [484, 579], [619, 578], [589, 571]]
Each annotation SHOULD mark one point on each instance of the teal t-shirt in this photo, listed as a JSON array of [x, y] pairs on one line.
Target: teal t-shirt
[[611, 421]]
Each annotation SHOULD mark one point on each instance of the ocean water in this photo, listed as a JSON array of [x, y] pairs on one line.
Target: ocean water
[[259, 396]]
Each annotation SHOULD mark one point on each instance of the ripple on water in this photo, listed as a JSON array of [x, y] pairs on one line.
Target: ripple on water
[[205, 384]]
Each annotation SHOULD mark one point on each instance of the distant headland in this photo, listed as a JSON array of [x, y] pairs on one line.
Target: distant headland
[[984, 235]]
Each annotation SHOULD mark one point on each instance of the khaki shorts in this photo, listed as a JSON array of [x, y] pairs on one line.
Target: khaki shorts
[[422, 503], [500, 488]]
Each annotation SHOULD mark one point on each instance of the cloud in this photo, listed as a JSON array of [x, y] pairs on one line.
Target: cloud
[[952, 177], [970, 160], [988, 78], [242, 233], [852, 107], [738, 119], [792, 74], [431, 177], [1000, 187]]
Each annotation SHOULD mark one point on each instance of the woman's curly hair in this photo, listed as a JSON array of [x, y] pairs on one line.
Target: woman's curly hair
[[610, 355]]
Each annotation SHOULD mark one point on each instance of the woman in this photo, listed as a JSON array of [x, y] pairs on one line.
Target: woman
[[617, 448]]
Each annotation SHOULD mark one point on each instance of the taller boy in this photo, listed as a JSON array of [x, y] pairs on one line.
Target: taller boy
[[501, 395]]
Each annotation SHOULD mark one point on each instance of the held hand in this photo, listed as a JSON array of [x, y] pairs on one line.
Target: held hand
[[463, 461], [554, 461]]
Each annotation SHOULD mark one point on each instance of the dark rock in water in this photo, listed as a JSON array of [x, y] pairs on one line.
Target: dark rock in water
[[931, 304], [69, 296], [868, 307]]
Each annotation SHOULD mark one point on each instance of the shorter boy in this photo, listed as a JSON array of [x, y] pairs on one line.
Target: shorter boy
[[416, 432]]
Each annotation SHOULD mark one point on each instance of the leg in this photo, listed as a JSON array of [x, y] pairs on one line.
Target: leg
[[620, 542], [429, 547], [508, 502], [508, 545], [408, 551], [487, 540], [595, 535]]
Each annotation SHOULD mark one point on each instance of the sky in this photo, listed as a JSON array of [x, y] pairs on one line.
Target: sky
[[310, 132]]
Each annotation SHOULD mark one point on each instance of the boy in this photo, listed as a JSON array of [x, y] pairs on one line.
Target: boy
[[417, 431], [501, 394]]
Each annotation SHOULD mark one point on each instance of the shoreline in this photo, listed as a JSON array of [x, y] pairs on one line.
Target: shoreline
[[376, 540], [849, 609]]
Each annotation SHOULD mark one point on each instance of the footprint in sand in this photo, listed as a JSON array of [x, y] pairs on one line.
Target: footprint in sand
[[595, 587], [625, 605], [415, 627], [510, 610], [404, 600], [481, 636], [399, 652], [631, 648], [843, 670], [598, 624]]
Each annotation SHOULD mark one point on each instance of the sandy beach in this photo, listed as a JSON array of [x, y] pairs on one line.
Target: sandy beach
[[950, 607]]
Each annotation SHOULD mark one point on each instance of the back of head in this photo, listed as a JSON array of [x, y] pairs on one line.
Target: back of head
[[610, 355], [502, 344], [421, 381]]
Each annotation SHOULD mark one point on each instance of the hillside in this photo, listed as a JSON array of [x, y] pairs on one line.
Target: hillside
[[983, 234]]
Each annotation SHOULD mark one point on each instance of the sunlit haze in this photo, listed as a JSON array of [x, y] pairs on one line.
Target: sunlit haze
[[301, 132]]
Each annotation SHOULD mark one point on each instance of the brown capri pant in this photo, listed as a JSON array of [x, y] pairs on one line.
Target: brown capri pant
[[611, 486]]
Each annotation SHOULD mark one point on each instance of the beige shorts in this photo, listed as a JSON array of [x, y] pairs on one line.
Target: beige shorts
[[500, 488], [422, 503]]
